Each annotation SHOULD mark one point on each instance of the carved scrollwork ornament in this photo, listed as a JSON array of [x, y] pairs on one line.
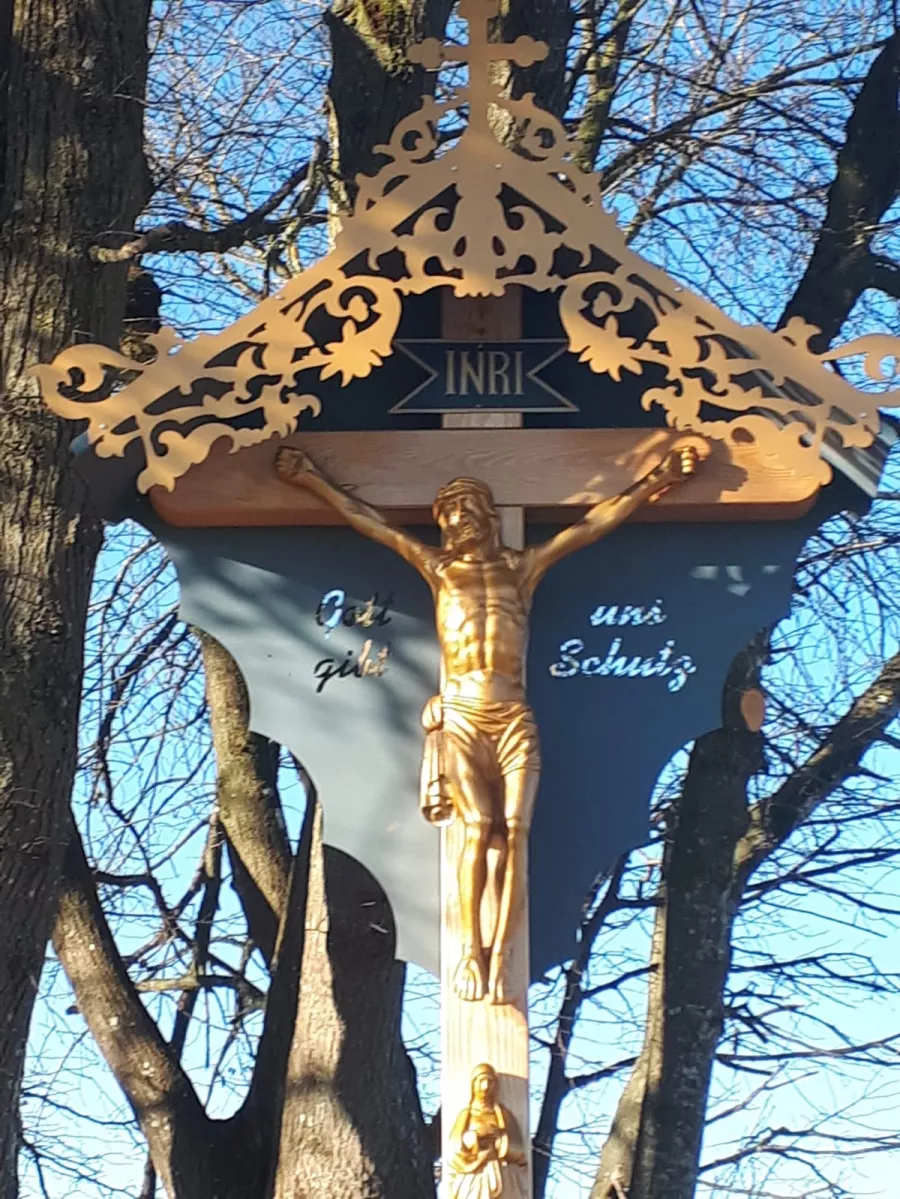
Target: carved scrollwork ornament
[[476, 215]]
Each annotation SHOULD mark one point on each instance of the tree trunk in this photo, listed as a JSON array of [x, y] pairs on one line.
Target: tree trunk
[[617, 1156], [699, 915], [71, 127], [352, 1124], [653, 1149], [170, 1115], [373, 84], [248, 799], [865, 185]]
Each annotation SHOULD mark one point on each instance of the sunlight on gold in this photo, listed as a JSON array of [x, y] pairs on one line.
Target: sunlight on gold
[[475, 216]]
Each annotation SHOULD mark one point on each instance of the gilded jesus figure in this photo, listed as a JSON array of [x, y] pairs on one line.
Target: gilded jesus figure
[[482, 755]]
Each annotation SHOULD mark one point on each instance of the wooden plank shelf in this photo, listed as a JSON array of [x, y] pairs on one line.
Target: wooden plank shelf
[[539, 470]]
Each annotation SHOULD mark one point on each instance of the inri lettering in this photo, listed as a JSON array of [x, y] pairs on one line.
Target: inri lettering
[[484, 373]]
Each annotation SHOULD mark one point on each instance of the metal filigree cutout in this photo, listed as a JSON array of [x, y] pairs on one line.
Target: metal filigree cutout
[[475, 215]]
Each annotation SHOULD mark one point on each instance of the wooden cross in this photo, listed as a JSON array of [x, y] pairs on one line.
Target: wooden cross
[[547, 473]]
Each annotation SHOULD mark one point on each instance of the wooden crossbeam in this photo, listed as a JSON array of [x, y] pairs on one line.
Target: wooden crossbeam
[[550, 473]]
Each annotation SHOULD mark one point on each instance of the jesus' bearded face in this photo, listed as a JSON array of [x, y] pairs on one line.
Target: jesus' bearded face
[[466, 515]]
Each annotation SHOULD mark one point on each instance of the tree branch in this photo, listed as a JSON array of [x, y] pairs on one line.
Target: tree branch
[[265, 1095], [248, 799], [866, 183], [836, 761], [558, 1084], [585, 1080], [725, 101], [884, 275], [604, 65], [179, 237], [144, 1066]]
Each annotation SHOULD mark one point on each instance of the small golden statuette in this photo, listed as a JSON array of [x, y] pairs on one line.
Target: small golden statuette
[[485, 1141]]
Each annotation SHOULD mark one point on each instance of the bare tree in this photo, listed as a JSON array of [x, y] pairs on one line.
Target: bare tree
[[737, 142], [71, 164]]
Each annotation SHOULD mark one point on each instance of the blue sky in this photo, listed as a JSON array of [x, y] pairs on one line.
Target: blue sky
[[166, 784], [169, 784]]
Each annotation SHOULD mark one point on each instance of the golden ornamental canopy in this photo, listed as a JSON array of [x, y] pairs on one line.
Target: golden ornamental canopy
[[502, 204]]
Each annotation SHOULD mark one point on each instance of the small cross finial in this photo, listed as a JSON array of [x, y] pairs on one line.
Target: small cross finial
[[479, 52]]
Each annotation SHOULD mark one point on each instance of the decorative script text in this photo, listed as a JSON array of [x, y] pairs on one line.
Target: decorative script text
[[352, 666], [676, 669], [334, 611]]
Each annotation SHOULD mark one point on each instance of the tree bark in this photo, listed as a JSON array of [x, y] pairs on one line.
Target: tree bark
[[549, 21], [699, 916], [605, 63], [373, 84], [653, 1149], [351, 1123], [617, 1156], [169, 1113], [247, 795], [331, 1071], [654, 1146], [866, 183], [71, 131], [193, 1156]]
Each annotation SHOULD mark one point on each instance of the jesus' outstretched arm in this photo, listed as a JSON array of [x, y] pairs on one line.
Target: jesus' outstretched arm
[[679, 465], [296, 467]]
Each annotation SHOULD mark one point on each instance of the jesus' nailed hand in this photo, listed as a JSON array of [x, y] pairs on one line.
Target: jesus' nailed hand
[[482, 757]]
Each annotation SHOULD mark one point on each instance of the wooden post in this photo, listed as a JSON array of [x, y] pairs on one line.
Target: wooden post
[[472, 1033]]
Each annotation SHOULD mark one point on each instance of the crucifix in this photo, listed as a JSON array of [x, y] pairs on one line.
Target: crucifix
[[482, 759], [479, 54], [197, 430]]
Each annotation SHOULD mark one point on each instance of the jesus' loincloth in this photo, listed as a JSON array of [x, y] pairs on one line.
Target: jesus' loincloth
[[496, 737]]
